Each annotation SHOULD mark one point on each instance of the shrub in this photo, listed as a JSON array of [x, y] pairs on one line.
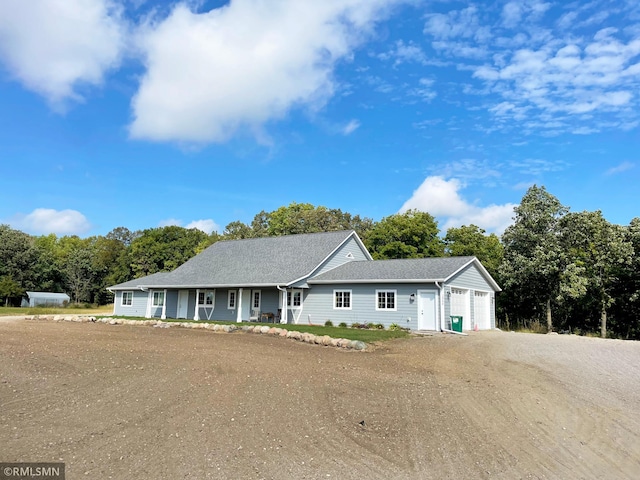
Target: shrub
[[372, 326], [359, 325], [328, 323], [394, 327], [342, 325], [380, 326]]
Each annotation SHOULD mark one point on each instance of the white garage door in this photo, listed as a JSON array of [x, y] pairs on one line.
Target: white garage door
[[460, 306], [481, 310]]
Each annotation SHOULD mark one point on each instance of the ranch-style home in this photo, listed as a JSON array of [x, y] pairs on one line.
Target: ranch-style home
[[312, 278]]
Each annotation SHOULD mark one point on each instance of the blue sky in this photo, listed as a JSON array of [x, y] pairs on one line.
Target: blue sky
[[144, 113]]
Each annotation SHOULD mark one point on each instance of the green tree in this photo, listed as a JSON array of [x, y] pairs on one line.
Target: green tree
[[237, 230], [473, 240], [533, 263], [46, 271], [9, 288], [412, 234], [299, 218], [163, 249], [17, 256], [600, 251], [80, 274], [626, 308], [123, 235]]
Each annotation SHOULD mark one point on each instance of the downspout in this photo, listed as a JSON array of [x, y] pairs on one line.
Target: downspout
[[441, 316], [283, 306], [441, 287]]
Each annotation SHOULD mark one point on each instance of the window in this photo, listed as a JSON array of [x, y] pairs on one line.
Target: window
[[206, 297], [342, 299], [294, 298], [255, 304], [231, 300], [385, 300], [158, 299], [127, 299]]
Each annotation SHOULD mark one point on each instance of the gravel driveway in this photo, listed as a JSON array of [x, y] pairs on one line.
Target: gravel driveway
[[128, 402]]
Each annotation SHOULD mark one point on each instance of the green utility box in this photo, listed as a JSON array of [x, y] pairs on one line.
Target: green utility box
[[456, 323]]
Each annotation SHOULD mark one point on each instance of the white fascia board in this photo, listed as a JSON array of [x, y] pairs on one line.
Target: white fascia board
[[378, 280], [204, 286]]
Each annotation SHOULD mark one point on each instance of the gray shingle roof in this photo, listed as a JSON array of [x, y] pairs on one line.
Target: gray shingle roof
[[250, 262], [402, 270]]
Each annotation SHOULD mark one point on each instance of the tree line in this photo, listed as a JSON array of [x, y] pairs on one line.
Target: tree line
[[558, 269]]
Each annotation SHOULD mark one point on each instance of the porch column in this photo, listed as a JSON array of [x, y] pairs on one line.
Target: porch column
[[164, 306], [149, 296], [285, 313], [239, 304], [196, 315]]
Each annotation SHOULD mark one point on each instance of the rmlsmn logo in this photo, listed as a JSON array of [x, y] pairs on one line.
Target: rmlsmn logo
[[30, 471]]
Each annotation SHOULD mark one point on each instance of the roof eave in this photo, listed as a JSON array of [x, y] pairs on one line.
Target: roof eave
[[378, 280]]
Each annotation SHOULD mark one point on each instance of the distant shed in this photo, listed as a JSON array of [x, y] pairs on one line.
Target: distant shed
[[45, 299]]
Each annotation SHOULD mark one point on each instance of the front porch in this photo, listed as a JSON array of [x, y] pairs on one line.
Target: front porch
[[243, 304]]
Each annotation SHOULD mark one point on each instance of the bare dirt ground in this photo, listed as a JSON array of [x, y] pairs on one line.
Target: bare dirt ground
[[128, 402]]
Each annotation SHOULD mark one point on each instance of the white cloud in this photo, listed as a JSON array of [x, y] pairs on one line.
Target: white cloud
[[351, 127], [623, 167], [205, 225], [47, 220], [441, 198], [547, 75], [404, 53], [55, 46], [240, 66], [170, 222]]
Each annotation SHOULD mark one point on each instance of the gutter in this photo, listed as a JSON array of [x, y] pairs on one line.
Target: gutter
[[442, 329]]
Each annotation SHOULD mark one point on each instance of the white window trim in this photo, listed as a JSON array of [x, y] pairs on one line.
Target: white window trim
[[155, 302], [231, 293], [350, 292], [253, 297], [204, 298], [291, 294], [395, 300], [122, 304]]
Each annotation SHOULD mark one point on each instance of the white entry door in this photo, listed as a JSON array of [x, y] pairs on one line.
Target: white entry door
[[183, 303], [427, 311]]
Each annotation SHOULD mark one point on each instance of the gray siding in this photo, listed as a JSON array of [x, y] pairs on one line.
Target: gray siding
[[138, 307], [339, 257], [318, 305], [469, 279]]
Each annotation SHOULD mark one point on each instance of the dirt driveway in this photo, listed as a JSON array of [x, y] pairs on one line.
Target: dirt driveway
[[128, 402]]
